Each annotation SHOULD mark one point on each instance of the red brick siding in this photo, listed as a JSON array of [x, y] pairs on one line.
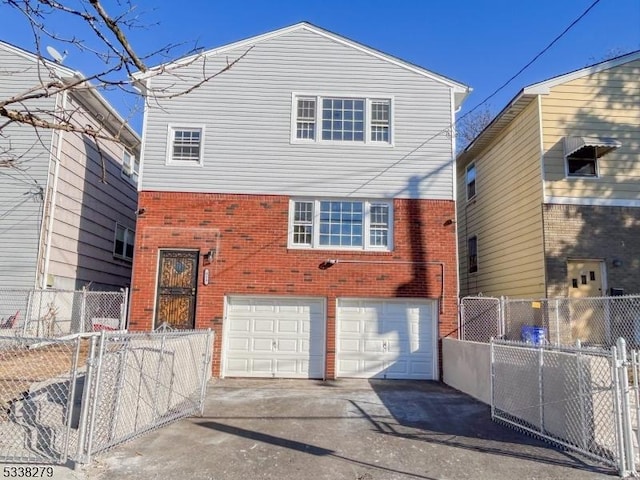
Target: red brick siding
[[250, 234]]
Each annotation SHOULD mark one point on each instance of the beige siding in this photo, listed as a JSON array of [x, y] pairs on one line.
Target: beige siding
[[604, 104], [505, 214]]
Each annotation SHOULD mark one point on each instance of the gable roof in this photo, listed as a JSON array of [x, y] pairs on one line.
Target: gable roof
[[529, 93], [85, 92], [460, 90]]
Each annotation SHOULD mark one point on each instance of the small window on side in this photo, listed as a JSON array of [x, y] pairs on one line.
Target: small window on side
[[473, 254], [471, 181], [185, 145]]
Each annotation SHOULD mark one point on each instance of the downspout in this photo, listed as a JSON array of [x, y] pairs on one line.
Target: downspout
[[454, 181], [52, 200]]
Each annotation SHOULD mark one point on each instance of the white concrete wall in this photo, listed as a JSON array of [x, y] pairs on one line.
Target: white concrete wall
[[467, 367]]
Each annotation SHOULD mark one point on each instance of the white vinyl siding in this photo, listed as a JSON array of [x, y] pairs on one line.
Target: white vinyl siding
[[251, 123]]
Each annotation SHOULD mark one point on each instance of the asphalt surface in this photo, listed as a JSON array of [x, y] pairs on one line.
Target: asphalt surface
[[348, 429]]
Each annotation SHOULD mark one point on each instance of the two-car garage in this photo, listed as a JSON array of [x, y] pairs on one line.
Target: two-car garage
[[286, 337]]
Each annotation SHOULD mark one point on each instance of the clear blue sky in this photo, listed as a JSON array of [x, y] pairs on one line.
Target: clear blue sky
[[481, 43]]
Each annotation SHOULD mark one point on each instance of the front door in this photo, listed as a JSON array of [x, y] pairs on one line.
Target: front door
[[588, 322], [177, 278]]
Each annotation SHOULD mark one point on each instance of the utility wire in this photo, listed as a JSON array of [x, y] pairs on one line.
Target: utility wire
[[451, 128]]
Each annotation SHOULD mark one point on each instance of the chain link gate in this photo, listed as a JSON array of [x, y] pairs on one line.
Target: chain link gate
[[575, 397], [67, 399]]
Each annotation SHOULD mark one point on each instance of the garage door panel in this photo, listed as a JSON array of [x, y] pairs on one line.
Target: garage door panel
[[264, 326], [274, 337], [394, 338], [288, 326]]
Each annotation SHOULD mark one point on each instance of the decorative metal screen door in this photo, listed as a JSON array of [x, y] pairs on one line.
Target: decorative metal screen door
[[176, 304]]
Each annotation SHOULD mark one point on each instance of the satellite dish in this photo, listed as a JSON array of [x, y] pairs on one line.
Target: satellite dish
[[55, 54]]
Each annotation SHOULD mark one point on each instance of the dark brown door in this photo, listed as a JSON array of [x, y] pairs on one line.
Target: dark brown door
[[177, 279]]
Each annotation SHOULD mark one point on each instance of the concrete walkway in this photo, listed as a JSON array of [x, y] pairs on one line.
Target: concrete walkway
[[360, 430]]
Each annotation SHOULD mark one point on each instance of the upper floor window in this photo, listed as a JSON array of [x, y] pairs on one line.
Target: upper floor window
[[185, 145], [130, 167], [342, 119], [473, 254], [471, 181], [123, 242], [341, 224], [582, 154]]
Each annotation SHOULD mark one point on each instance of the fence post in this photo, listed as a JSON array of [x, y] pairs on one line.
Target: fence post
[[206, 365], [71, 399], [502, 314], [618, 412], [541, 386], [124, 309], [627, 430], [493, 374], [461, 320], [636, 390], [86, 397], [83, 311], [94, 403], [557, 311]]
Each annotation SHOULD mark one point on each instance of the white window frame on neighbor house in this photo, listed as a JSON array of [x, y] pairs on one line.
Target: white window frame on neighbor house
[[471, 182], [130, 167], [128, 237], [171, 142], [307, 230], [311, 125]]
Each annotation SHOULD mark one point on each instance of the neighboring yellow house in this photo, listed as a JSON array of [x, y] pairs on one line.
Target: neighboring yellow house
[[549, 193]]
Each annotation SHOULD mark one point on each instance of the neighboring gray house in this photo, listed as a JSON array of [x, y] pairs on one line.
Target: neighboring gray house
[[67, 205]]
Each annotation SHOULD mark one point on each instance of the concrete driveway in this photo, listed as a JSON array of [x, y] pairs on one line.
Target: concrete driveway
[[348, 429]]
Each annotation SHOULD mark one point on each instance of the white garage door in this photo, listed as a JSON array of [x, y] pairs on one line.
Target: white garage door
[[275, 337], [387, 339]]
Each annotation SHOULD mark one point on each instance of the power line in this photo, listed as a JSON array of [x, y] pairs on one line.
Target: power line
[[451, 127]]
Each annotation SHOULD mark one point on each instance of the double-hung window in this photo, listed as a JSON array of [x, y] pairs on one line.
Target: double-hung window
[[130, 168], [185, 145], [342, 119], [123, 242], [471, 181], [341, 224]]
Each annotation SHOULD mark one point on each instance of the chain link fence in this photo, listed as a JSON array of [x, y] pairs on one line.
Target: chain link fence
[[56, 313], [578, 398], [596, 321], [68, 399]]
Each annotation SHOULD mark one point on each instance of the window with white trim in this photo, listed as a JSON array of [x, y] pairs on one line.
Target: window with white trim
[[341, 224], [130, 167], [123, 242], [471, 181], [185, 145], [342, 119]]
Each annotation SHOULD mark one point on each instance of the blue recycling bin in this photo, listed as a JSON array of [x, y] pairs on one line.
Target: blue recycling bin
[[534, 335]]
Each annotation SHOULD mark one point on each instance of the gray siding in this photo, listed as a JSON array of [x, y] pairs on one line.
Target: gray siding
[[23, 186], [246, 113], [88, 205]]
